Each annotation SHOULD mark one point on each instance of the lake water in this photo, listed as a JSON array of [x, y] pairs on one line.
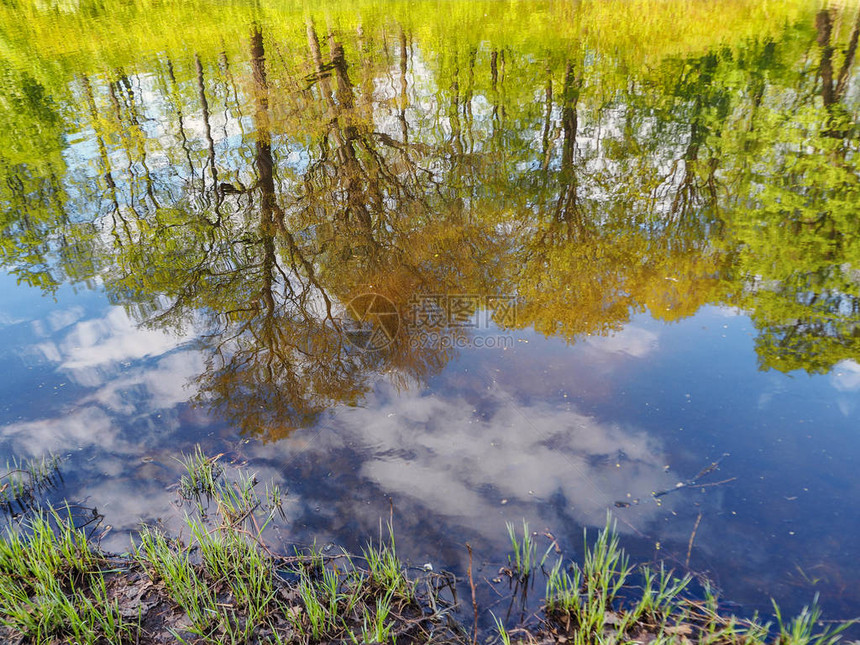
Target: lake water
[[478, 261]]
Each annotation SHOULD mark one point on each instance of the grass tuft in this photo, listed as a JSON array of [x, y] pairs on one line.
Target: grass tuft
[[504, 636], [801, 629], [523, 560], [171, 565], [201, 474], [385, 572]]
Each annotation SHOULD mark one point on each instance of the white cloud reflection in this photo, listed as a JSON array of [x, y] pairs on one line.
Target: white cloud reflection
[[129, 374], [113, 407], [631, 340], [845, 376], [473, 458], [113, 338], [78, 428], [480, 468]]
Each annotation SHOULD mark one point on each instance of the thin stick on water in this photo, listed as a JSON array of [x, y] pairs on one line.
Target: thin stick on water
[[719, 483], [474, 596], [692, 537]]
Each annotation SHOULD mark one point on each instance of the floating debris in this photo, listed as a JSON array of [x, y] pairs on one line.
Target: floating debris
[[694, 481]]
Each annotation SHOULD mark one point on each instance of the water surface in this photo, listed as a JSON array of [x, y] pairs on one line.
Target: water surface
[[480, 261]]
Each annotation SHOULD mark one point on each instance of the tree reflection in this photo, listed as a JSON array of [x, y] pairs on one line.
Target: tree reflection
[[253, 191], [798, 236]]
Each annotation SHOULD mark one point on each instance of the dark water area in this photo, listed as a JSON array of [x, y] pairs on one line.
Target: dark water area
[[473, 262]]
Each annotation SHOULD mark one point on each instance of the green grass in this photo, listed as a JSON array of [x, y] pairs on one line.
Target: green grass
[[660, 590], [223, 583], [801, 630], [231, 559], [201, 474], [52, 585], [222, 579], [350, 604], [236, 501], [504, 636], [385, 571], [320, 618], [582, 604], [376, 626], [275, 498], [229, 588], [328, 608], [585, 598], [523, 560], [563, 589], [170, 564]]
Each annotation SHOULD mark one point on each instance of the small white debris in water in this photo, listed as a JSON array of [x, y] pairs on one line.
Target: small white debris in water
[[427, 566], [504, 501]]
